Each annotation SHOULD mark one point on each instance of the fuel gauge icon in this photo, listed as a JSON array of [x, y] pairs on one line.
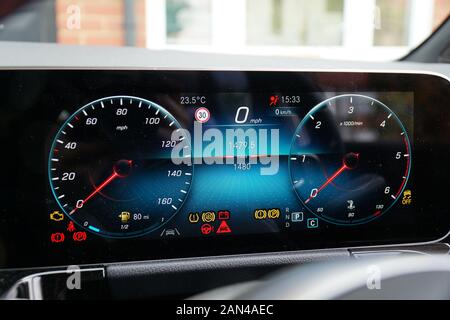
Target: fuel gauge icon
[[124, 216]]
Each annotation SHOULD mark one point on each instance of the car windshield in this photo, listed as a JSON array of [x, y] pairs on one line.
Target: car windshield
[[331, 29]]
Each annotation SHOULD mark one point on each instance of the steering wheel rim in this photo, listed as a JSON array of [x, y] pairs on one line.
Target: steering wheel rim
[[380, 278]]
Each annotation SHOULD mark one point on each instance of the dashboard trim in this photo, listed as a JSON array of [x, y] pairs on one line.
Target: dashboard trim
[[334, 70]]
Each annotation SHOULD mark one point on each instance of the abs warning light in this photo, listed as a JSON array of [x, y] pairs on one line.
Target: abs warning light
[[224, 227]]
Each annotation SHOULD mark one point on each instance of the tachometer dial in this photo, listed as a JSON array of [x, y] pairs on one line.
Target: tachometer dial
[[350, 159], [111, 168]]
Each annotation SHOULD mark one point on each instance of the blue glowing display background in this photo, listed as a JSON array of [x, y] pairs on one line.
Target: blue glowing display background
[[222, 187]]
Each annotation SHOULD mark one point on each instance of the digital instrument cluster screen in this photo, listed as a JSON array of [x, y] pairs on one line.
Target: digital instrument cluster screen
[[112, 166]]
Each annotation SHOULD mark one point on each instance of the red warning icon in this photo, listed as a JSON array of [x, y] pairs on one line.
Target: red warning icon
[[223, 228]]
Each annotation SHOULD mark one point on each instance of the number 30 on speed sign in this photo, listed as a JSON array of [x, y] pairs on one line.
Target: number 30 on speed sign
[[202, 115]]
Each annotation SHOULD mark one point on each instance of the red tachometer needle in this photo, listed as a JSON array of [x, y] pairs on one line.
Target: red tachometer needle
[[349, 162], [97, 190], [329, 180]]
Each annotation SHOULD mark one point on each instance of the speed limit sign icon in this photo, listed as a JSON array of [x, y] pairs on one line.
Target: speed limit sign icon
[[202, 115]]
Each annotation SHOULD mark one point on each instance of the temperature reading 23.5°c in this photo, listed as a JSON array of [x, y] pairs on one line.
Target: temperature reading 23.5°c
[[193, 100]]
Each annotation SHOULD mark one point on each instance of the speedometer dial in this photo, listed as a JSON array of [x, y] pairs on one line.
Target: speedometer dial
[[350, 159], [110, 167]]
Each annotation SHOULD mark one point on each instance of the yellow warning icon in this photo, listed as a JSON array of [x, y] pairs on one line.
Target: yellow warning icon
[[56, 216], [273, 213], [407, 198], [124, 216], [193, 217], [208, 216], [260, 214]]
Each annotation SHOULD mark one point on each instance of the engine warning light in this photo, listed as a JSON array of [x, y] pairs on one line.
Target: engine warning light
[[56, 216], [223, 228]]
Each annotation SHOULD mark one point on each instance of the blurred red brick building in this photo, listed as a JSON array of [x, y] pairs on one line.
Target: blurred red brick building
[[101, 22]]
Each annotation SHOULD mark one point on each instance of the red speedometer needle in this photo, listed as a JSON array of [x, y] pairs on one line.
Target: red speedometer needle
[[97, 190], [350, 162], [121, 170]]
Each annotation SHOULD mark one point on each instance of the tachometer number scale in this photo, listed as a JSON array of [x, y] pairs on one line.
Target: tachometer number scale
[[350, 159]]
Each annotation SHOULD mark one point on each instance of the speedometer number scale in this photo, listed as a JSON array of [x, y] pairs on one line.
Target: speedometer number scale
[[110, 167]]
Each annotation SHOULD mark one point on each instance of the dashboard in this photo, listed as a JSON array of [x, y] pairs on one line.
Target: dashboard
[[127, 165]]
